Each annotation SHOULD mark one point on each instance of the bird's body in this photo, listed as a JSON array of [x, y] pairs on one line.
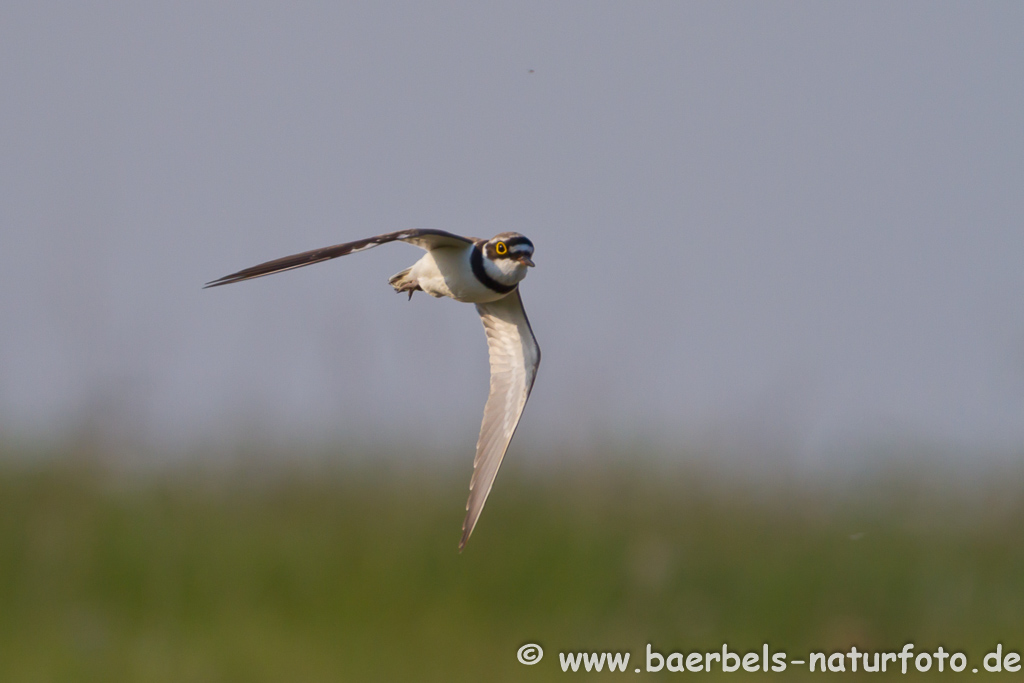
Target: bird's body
[[483, 272], [447, 271]]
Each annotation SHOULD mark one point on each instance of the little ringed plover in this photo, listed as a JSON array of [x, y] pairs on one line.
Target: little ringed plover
[[482, 272]]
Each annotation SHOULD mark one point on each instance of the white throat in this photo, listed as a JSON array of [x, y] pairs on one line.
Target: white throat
[[506, 271]]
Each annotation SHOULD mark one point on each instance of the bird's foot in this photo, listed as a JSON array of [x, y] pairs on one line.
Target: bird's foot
[[409, 287]]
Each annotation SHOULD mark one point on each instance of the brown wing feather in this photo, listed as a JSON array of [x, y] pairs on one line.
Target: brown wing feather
[[425, 239]]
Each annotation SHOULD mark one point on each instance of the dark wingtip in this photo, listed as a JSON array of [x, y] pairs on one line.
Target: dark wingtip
[[217, 283]]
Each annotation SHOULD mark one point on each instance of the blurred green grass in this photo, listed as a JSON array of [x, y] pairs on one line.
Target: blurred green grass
[[330, 573]]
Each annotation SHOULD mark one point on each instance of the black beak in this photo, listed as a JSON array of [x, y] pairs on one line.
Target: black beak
[[523, 258]]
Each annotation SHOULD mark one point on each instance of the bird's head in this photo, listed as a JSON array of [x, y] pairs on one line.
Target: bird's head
[[507, 256]]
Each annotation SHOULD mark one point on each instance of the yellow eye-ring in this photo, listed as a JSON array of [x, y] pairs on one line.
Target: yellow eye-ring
[[501, 248]]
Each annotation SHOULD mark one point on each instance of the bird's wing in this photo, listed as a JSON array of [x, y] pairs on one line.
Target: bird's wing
[[514, 356], [425, 239]]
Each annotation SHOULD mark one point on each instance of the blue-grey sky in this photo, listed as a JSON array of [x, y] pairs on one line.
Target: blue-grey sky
[[787, 220]]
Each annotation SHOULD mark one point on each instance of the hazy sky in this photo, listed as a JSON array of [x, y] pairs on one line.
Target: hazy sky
[[783, 220]]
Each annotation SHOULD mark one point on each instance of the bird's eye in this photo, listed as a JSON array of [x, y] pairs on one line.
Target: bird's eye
[[501, 248]]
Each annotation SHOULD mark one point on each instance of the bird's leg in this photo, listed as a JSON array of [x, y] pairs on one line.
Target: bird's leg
[[408, 287], [403, 283]]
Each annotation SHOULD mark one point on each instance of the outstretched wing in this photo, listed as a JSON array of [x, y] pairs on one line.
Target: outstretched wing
[[514, 356], [425, 239]]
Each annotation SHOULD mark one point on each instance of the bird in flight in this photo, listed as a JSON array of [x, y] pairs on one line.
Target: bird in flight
[[482, 272]]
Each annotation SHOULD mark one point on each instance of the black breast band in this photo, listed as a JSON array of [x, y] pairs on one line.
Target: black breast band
[[476, 260]]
